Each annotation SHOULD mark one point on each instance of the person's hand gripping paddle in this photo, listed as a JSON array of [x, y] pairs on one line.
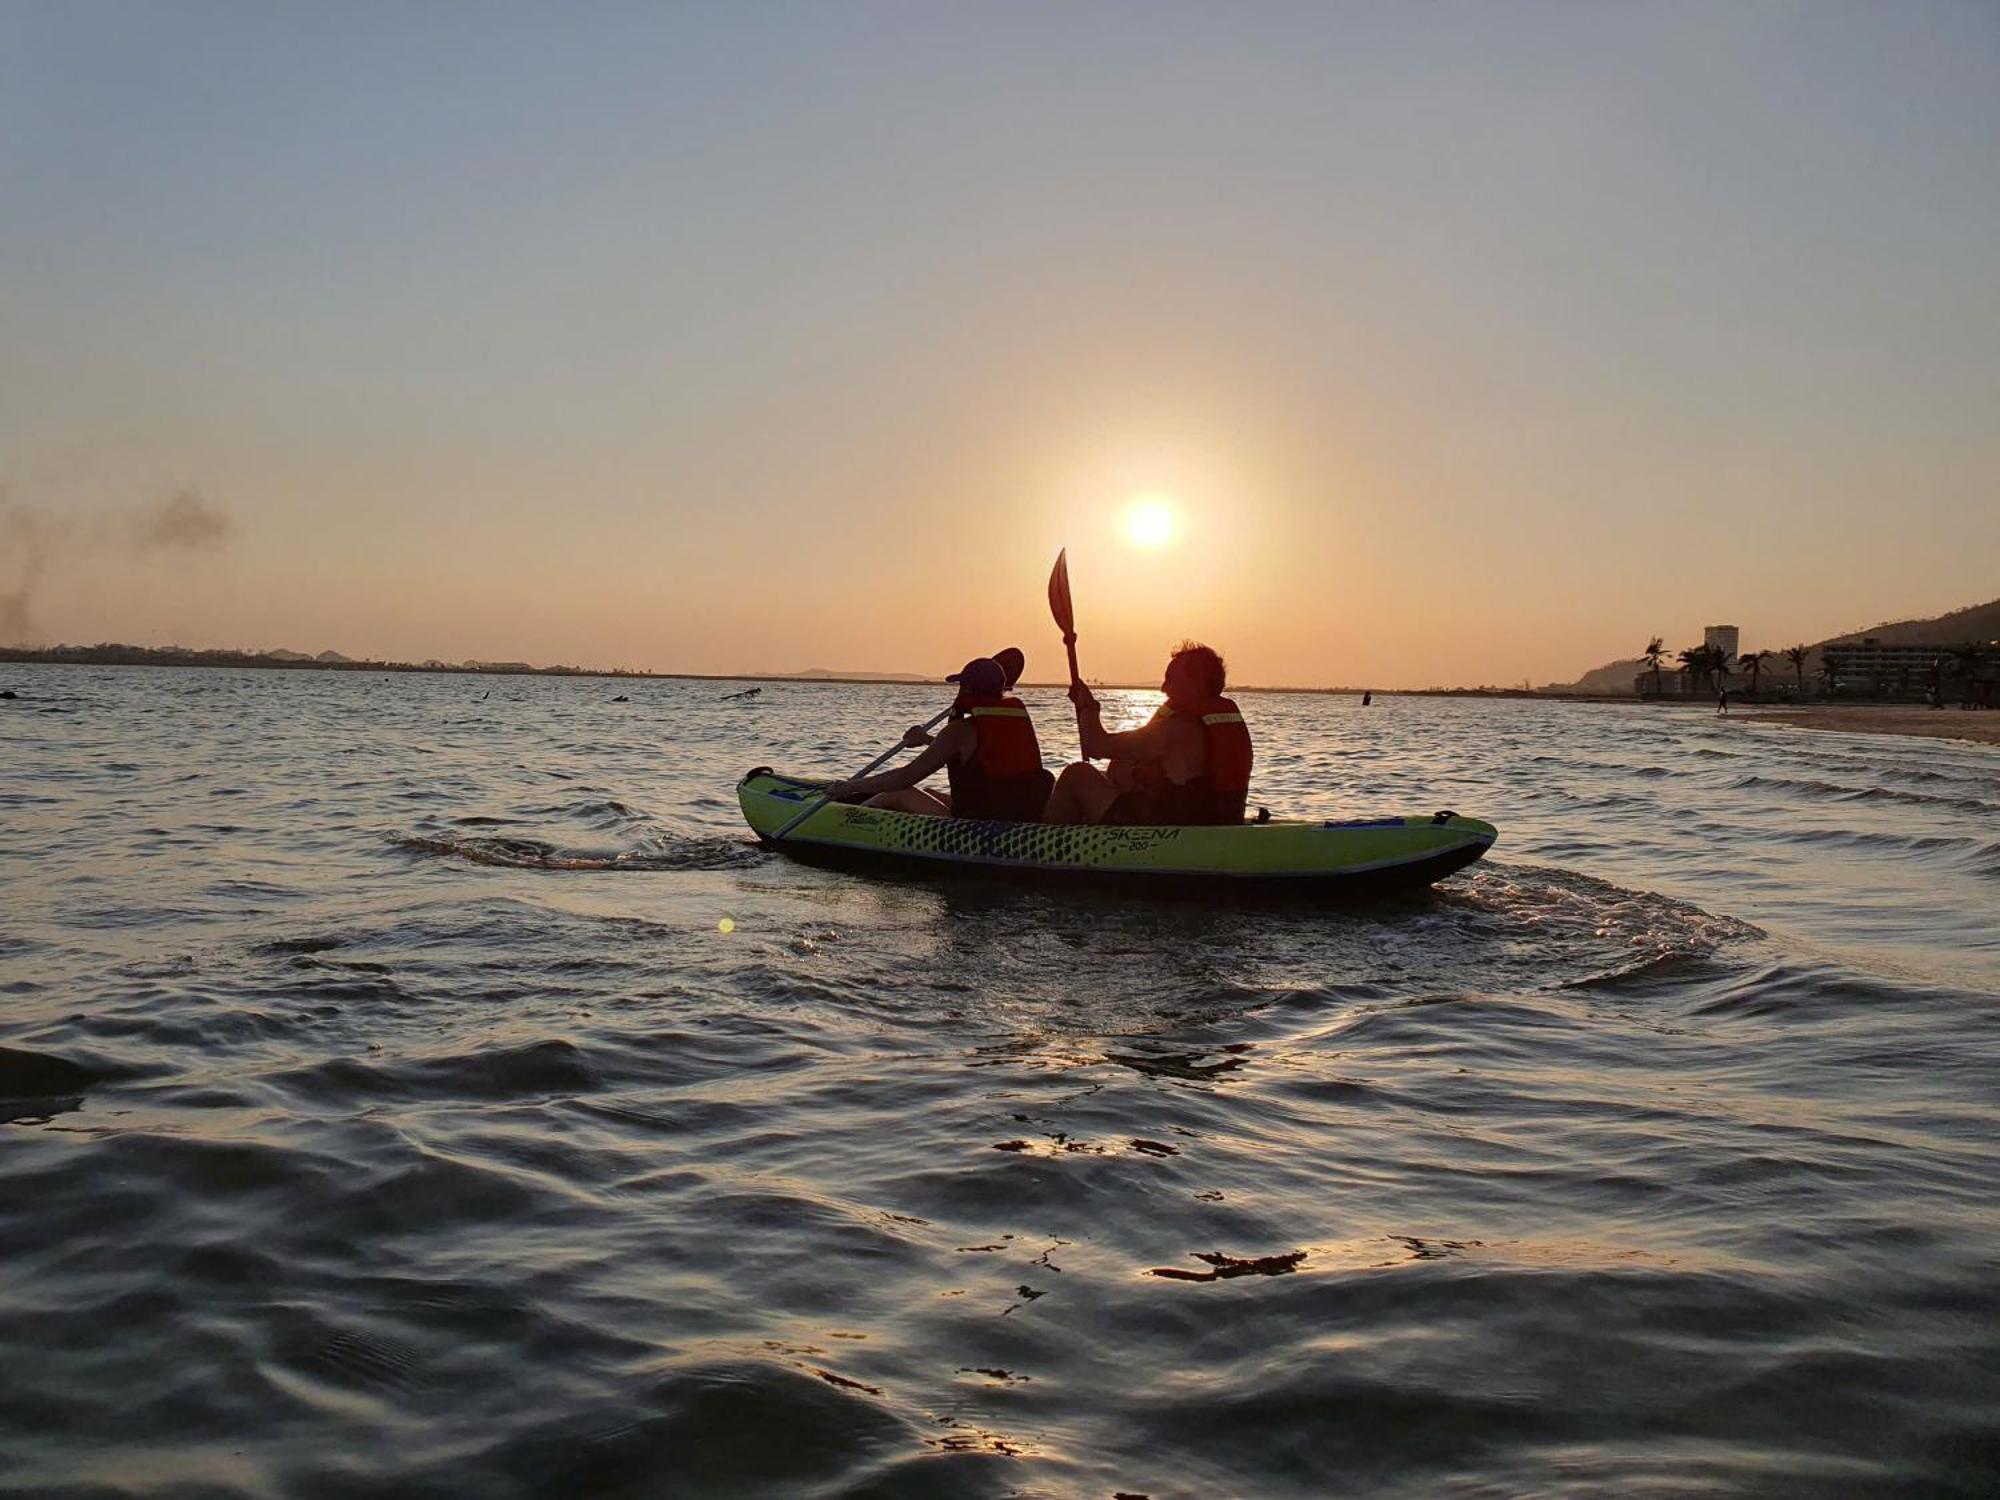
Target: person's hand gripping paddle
[[1011, 661]]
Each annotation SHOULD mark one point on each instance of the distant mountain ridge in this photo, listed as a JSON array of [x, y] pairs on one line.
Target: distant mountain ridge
[[832, 674], [1977, 622]]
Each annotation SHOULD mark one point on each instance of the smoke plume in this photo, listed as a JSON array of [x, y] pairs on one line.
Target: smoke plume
[[36, 543], [183, 519]]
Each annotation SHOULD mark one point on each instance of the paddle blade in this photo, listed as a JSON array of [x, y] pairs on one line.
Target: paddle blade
[[1059, 604]]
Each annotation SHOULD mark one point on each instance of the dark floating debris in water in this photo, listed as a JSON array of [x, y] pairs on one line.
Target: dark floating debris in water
[[8, 693], [1005, 1377], [845, 1384], [1227, 1266], [621, 698], [302, 945], [1184, 1065], [1154, 1148], [35, 1086], [1434, 1249], [37, 1075]]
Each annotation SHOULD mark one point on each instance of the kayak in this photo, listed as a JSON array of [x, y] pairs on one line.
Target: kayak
[[1341, 860]]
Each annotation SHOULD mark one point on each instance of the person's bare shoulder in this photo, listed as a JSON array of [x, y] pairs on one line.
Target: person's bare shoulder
[[957, 739]]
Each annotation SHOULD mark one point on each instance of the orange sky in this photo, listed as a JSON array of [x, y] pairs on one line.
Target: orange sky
[[1468, 345]]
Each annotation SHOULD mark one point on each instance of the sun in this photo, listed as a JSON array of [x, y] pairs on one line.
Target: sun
[[1150, 522]]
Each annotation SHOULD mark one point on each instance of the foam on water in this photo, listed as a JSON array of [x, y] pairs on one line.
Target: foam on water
[[389, 1110]]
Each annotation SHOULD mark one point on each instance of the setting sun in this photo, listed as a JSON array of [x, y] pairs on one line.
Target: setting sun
[[1150, 523]]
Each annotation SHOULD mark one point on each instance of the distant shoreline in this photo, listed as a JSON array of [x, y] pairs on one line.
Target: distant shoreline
[[1968, 727], [1804, 716], [91, 656], [145, 656]]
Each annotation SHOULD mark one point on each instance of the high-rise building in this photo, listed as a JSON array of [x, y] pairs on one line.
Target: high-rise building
[[1722, 638]]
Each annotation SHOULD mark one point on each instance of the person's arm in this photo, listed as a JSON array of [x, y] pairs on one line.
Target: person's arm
[[1147, 742], [942, 749]]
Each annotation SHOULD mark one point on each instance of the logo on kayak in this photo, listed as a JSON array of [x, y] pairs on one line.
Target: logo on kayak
[[1133, 839]]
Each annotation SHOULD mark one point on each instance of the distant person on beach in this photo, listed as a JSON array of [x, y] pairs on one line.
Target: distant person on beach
[[988, 751], [1722, 701], [1190, 763]]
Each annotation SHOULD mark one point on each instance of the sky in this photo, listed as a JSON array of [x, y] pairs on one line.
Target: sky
[[1458, 343]]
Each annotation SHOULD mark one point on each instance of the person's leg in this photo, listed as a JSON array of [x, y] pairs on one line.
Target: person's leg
[[1082, 795], [911, 799]]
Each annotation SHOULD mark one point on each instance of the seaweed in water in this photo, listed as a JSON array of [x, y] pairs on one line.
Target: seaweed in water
[[1226, 1266]]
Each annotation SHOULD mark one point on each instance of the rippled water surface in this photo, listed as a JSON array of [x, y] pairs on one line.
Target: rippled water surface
[[390, 1114]]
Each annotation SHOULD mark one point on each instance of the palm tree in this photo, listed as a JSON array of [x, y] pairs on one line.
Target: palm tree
[[1830, 670], [1653, 654], [1753, 663], [1694, 663], [1796, 655]]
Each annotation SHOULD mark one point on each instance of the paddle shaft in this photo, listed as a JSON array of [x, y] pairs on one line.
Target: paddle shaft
[[1011, 662], [868, 770]]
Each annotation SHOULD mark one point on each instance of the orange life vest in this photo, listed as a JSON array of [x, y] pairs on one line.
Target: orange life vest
[[1218, 793], [1003, 777]]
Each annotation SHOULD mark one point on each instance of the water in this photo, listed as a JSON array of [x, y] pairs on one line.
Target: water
[[433, 1138]]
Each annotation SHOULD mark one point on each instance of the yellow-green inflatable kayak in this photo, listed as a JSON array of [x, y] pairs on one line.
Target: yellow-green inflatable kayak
[[1338, 860]]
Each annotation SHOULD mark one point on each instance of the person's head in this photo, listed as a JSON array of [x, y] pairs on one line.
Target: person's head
[[982, 677], [1194, 673]]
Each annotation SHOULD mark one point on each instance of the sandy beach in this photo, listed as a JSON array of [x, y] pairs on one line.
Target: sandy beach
[[1931, 723]]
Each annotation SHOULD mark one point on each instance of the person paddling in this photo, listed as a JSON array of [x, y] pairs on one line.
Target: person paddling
[[1190, 763], [988, 750]]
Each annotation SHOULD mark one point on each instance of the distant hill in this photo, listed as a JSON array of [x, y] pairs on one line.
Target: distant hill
[[1979, 622], [829, 674], [1612, 677]]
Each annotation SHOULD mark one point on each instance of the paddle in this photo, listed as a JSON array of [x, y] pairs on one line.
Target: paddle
[[1065, 612], [1011, 661]]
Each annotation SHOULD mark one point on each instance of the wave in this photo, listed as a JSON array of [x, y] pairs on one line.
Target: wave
[[1647, 931], [1836, 792], [549, 1068], [1968, 852], [717, 853]]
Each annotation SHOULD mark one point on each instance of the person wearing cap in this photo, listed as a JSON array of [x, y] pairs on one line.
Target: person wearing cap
[[1189, 763], [988, 750]]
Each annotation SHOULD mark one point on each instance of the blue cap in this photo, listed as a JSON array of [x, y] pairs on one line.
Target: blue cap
[[982, 677]]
